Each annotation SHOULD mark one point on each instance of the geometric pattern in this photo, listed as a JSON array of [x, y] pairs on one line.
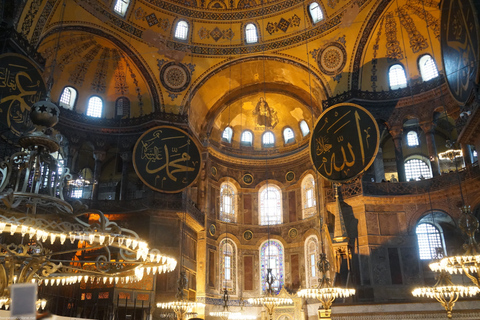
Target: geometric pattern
[[216, 34], [78, 76], [332, 59], [417, 41], [121, 87], [283, 24], [99, 83], [394, 51], [175, 76]]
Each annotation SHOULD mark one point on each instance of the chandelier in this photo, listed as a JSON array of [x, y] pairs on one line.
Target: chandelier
[[224, 314], [270, 300], [45, 239], [444, 291], [325, 292]]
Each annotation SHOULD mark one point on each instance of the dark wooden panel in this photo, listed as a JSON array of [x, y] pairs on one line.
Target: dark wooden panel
[[248, 272], [292, 207], [247, 209], [211, 268], [295, 267]]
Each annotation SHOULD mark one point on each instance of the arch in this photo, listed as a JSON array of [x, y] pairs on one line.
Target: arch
[[428, 68], [304, 128], [311, 260], [288, 135], [246, 139], [251, 33], [397, 78], [121, 7], [316, 13], [95, 107], [228, 202], [122, 108], [309, 201], [272, 256], [181, 30], [430, 234], [68, 98], [268, 139], [228, 265], [270, 205]]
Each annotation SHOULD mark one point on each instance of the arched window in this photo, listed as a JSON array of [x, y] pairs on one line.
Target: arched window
[[68, 97], [181, 31], [427, 67], [251, 35], [397, 77], [270, 205], [121, 7], [308, 196], [122, 108], [288, 135], [315, 12], [311, 259], [228, 265], [304, 127], [429, 239], [271, 257], [417, 169], [247, 138], [227, 134], [95, 107], [268, 139], [228, 204], [412, 139]]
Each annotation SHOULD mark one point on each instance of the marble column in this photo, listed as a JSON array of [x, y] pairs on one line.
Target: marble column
[[400, 161], [379, 168], [126, 160], [429, 130], [99, 157], [467, 154], [72, 157]]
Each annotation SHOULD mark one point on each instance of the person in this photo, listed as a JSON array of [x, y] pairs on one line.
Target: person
[[393, 179]]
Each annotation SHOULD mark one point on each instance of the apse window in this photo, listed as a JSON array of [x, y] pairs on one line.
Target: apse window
[[251, 35], [417, 169], [181, 31], [397, 77], [308, 196], [121, 7], [271, 255], [412, 139], [247, 138], [268, 140], [427, 66], [227, 135], [288, 135], [304, 128], [315, 12], [429, 240], [311, 257], [228, 264], [227, 202], [270, 205], [95, 106], [68, 97]]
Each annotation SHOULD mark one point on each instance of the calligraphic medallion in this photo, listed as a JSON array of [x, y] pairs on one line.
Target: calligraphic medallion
[[247, 179], [459, 41], [248, 235], [21, 85], [166, 159], [344, 142], [212, 229]]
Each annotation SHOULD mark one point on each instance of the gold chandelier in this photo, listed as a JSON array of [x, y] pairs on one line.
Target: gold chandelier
[[325, 292], [270, 300]]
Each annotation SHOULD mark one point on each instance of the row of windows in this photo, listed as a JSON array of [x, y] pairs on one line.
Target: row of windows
[[68, 100], [398, 79], [268, 138], [430, 242], [269, 202]]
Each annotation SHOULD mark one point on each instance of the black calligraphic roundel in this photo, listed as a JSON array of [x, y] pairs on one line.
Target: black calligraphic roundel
[[459, 41], [344, 142], [166, 159], [21, 85]]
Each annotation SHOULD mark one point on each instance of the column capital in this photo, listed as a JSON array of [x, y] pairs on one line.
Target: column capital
[[126, 156], [428, 127], [99, 155], [396, 132]]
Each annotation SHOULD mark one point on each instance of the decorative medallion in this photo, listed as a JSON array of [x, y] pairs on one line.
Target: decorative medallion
[[344, 142], [293, 233], [21, 85], [247, 178], [459, 41], [332, 59], [166, 159], [175, 76], [212, 229], [289, 176], [248, 235], [213, 170]]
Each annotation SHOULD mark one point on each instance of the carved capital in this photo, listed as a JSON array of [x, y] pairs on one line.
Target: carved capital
[[396, 132], [428, 126]]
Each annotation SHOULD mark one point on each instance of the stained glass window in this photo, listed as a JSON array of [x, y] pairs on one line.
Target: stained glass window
[[228, 265], [271, 256], [428, 69], [429, 239], [227, 202], [270, 205], [308, 196], [311, 257]]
